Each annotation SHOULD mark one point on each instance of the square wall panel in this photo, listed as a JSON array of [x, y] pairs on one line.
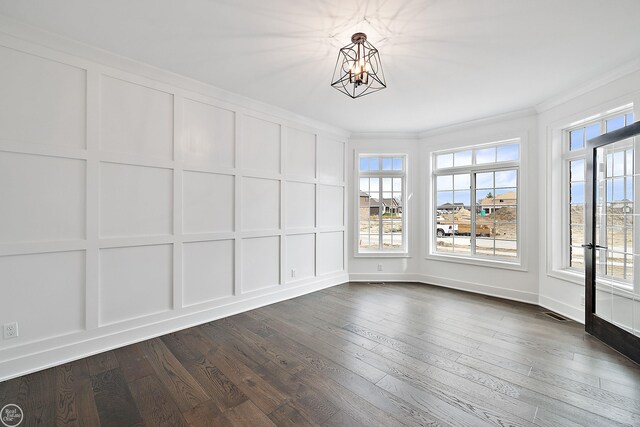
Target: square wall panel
[[41, 198], [44, 293], [135, 201], [42, 101], [301, 154], [135, 119], [260, 204], [330, 252], [208, 202], [330, 206], [209, 136], [301, 257], [208, 271], [260, 263], [260, 145], [135, 282], [301, 205], [330, 160]]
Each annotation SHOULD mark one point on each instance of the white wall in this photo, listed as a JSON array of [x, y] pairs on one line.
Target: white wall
[[135, 202]]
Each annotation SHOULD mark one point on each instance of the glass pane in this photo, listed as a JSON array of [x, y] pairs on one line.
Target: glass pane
[[444, 200], [505, 196], [577, 139], [577, 214], [444, 161], [576, 235], [618, 163], [387, 164], [629, 119], [629, 162], [486, 155], [462, 182], [397, 185], [462, 199], [615, 123], [364, 163], [444, 182], [507, 178], [386, 185], [508, 153], [374, 163], [577, 192], [577, 170], [397, 164], [592, 131], [485, 246], [484, 180], [576, 257], [505, 213], [462, 158]]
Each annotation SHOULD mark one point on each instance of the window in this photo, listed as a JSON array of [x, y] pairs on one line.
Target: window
[[615, 224], [476, 201], [381, 202]]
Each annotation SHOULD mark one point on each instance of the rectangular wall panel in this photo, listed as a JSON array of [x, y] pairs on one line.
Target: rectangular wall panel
[[301, 205], [260, 263], [209, 136], [44, 293], [135, 282], [208, 202], [330, 160], [330, 206], [301, 154], [41, 101], [301, 257], [135, 119], [208, 271], [330, 252], [41, 198], [135, 201], [260, 204], [261, 145]]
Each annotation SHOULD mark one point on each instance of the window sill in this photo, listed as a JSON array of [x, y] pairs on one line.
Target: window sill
[[491, 263], [382, 255], [571, 276]]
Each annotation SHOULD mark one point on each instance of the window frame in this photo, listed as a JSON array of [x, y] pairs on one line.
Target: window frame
[[516, 262], [567, 156], [402, 252]]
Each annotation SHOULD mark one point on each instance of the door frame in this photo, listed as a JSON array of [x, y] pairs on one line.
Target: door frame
[[623, 341]]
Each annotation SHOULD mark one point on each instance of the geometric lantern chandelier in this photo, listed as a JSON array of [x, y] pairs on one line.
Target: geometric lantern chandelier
[[358, 69]]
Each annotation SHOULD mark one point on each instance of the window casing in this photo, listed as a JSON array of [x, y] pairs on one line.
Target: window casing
[[381, 204], [476, 202], [615, 225]]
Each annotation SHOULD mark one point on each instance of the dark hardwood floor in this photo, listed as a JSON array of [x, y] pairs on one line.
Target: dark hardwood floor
[[352, 355]]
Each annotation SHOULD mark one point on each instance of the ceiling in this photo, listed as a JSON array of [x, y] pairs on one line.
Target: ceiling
[[446, 61]]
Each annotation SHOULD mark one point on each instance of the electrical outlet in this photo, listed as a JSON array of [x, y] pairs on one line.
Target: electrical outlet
[[379, 267], [582, 301], [10, 330], [293, 272]]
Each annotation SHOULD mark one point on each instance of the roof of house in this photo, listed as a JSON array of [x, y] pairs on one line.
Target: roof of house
[[508, 198]]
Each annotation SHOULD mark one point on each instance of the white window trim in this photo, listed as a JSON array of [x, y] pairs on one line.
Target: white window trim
[[556, 199], [518, 263], [381, 253]]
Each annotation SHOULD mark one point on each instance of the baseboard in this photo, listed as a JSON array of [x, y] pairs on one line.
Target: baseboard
[[573, 313], [54, 356], [478, 288]]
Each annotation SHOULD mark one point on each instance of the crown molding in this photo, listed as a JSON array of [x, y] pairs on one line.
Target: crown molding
[[586, 87], [527, 112], [362, 136]]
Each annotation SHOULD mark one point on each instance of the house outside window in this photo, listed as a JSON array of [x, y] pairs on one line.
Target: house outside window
[[476, 202], [381, 201]]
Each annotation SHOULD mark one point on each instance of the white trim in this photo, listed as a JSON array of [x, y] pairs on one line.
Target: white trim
[[526, 112], [40, 357], [573, 313], [477, 288]]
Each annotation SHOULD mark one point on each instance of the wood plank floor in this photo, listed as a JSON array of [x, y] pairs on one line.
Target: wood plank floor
[[351, 355]]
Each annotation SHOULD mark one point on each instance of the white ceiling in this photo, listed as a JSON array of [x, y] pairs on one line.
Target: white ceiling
[[445, 61]]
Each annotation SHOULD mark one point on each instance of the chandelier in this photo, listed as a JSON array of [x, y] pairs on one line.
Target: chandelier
[[358, 69]]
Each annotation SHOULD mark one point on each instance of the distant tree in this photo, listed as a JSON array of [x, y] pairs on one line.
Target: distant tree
[[489, 195]]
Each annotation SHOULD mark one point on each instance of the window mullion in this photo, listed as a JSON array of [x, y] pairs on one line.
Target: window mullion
[[472, 225]]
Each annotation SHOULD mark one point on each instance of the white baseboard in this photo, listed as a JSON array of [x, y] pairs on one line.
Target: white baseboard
[[573, 313], [53, 356], [478, 288]]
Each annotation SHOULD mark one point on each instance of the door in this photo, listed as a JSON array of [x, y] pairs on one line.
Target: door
[[612, 250]]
